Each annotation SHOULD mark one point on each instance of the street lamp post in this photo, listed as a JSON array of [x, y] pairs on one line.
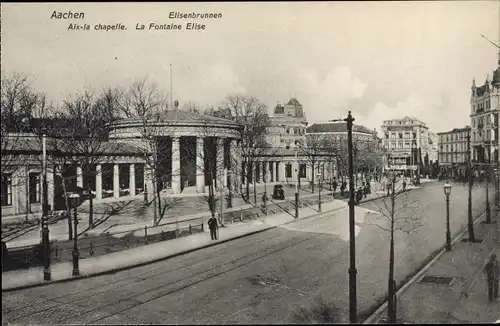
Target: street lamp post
[[45, 213], [75, 201], [470, 222], [352, 243], [352, 222], [487, 170], [447, 191], [319, 192]]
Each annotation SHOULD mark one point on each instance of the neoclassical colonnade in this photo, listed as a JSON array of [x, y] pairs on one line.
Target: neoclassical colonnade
[[187, 149]]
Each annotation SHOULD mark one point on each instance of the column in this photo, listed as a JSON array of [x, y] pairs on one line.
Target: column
[[219, 165], [200, 166], [271, 171], [148, 180], [116, 181], [79, 177], [176, 166], [264, 173], [98, 182], [244, 172], [282, 171], [131, 179]]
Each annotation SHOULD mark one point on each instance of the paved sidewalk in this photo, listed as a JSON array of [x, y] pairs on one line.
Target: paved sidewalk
[[161, 250], [464, 299]]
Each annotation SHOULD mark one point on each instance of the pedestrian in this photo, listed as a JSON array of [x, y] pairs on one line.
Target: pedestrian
[[342, 189], [389, 185], [493, 275], [335, 185], [212, 225], [404, 184], [365, 190], [359, 195]]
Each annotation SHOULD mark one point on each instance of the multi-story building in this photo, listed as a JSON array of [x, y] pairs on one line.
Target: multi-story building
[[408, 144], [365, 143], [453, 152], [288, 125], [485, 106]]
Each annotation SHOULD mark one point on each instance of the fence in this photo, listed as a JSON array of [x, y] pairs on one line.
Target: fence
[[31, 256]]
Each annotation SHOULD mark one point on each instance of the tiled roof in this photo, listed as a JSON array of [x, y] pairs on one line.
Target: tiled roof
[[294, 102], [30, 143], [481, 90], [279, 109], [336, 127]]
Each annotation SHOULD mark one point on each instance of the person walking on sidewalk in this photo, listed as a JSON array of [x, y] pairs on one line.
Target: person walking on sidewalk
[[493, 275], [212, 225]]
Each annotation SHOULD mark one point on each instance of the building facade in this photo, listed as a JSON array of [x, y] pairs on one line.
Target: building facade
[[366, 146], [484, 110], [408, 144], [123, 164], [453, 151]]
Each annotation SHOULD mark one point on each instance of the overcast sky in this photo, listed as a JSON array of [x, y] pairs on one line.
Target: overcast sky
[[379, 59]]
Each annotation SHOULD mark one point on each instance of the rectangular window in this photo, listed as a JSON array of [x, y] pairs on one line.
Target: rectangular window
[[288, 170], [34, 187], [407, 135], [302, 170], [6, 190], [400, 145]]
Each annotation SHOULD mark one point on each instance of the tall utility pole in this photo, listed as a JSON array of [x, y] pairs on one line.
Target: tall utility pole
[[45, 213], [487, 170], [171, 95], [352, 221], [470, 222]]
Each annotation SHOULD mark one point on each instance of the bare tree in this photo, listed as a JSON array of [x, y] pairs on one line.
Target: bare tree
[[397, 212], [252, 114], [191, 107], [17, 99], [81, 131], [145, 102], [314, 150]]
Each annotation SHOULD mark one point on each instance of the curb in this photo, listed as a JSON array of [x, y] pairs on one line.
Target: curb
[[116, 270], [120, 269], [372, 318]]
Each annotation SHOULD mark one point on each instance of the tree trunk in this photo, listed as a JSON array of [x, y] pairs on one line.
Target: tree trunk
[[254, 188], [91, 206], [154, 193], [247, 182], [158, 202], [312, 178]]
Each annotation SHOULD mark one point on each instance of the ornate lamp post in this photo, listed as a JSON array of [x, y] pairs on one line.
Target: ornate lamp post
[[487, 170], [447, 192], [352, 221], [45, 213], [75, 201], [319, 191]]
